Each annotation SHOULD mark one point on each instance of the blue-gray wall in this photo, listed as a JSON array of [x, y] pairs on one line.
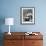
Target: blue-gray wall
[[11, 8]]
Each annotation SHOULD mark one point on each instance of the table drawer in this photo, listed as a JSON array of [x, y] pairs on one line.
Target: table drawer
[[9, 43], [16, 37], [13, 43], [33, 43], [34, 37]]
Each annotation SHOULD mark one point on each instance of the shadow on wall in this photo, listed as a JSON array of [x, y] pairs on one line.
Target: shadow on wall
[[2, 21]]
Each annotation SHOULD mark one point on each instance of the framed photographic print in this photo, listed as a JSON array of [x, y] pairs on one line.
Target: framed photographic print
[[27, 15]]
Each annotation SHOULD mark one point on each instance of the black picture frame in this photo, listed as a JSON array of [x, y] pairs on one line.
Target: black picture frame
[[27, 15]]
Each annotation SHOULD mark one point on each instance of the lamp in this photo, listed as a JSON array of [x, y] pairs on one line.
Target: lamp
[[9, 21]]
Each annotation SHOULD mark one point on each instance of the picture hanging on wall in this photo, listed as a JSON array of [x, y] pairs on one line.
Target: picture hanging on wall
[[27, 15]]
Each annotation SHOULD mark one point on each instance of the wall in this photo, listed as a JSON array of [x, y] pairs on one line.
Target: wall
[[11, 8]]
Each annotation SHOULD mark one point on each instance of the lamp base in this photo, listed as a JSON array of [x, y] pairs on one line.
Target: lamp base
[[9, 33]]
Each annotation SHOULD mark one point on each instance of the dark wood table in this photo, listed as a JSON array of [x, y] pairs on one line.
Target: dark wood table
[[20, 39]]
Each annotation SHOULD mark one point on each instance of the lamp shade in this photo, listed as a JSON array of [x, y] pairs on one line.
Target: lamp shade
[[9, 21]]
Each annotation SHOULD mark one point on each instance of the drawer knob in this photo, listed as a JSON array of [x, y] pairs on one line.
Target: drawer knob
[[33, 42]]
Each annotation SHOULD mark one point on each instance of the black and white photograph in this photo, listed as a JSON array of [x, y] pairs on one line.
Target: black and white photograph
[[27, 15]]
